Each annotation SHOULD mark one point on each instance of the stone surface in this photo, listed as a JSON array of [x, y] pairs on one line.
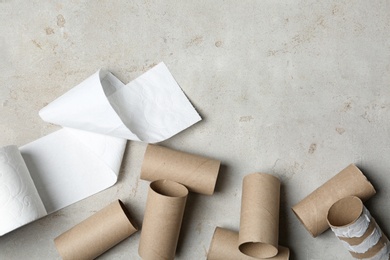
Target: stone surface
[[298, 89]]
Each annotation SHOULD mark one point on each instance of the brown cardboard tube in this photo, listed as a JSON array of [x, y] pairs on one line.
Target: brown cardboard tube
[[224, 247], [259, 221], [312, 210], [199, 174], [162, 221], [348, 218], [96, 234]]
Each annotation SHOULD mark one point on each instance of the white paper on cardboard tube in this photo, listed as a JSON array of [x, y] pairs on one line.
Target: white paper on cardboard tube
[[99, 115], [150, 108], [357, 229], [367, 243]]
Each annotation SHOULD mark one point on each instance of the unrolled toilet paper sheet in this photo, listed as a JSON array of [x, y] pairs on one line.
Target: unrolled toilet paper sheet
[[150, 108], [99, 115]]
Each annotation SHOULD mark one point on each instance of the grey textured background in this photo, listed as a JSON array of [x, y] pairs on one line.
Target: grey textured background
[[298, 89]]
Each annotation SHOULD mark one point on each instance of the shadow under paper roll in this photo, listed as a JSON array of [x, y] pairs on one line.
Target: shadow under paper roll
[[259, 221], [162, 221], [96, 234], [224, 246]]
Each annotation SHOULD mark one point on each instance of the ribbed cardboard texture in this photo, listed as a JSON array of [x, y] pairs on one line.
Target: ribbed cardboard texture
[[343, 214], [312, 210], [162, 220], [199, 174], [224, 246], [96, 234], [259, 221]]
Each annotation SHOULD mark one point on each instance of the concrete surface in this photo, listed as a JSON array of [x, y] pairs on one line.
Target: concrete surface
[[298, 89]]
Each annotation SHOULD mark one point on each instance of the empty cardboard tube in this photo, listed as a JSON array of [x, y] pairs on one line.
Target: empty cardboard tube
[[224, 247], [162, 220], [312, 210], [259, 221], [351, 222], [96, 234], [199, 174]]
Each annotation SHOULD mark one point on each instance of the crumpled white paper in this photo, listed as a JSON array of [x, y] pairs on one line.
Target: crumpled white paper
[[84, 157]]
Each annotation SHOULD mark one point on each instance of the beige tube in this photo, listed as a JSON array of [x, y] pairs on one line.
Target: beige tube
[[312, 210], [162, 221], [199, 174], [259, 221], [224, 247], [353, 225], [98, 233]]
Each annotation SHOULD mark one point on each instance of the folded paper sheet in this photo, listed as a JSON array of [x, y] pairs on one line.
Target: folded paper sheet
[[162, 221], [83, 158], [224, 246], [150, 108], [353, 224], [199, 174], [259, 221], [96, 234], [312, 210]]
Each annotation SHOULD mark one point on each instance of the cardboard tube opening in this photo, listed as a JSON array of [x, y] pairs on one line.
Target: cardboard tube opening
[[128, 216], [169, 188], [345, 211], [223, 246], [310, 230], [256, 249]]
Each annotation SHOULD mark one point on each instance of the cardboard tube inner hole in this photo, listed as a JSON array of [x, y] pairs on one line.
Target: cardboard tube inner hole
[[257, 248], [128, 216], [169, 188], [345, 211]]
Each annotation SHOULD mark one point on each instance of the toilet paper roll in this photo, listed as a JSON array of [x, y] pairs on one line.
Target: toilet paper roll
[[353, 225], [224, 247], [20, 202], [259, 222], [162, 221], [312, 210], [96, 234], [199, 174]]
